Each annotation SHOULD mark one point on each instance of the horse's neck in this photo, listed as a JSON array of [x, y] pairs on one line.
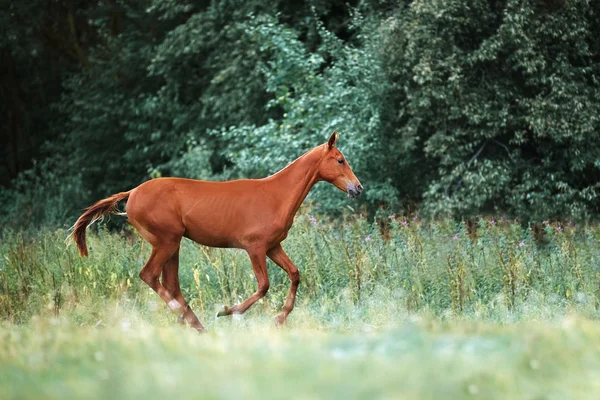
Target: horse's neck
[[295, 181]]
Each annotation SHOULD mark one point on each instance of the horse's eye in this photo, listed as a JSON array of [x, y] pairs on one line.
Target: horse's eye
[[341, 161]]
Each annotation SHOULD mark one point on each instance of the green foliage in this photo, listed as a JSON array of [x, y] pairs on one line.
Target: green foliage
[[447, 107], [503, 101], [315, 98], [41, 196], [30, 83]]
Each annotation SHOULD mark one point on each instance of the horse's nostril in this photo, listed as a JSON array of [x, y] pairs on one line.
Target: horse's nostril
[[359, 188]]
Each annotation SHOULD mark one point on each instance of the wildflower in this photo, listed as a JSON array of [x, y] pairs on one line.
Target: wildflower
[[404, 223], [570, 223], [559, 228], [368, 238], [313, 220], [455, 237], [521, 244], [416, 218], [493, 221], [390, 216]]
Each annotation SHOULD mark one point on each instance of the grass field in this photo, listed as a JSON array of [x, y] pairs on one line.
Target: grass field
[[399, 309]]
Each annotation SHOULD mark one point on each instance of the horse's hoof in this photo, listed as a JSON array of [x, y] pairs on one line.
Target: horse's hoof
[[279, 320], [224, 312], [200, 329]]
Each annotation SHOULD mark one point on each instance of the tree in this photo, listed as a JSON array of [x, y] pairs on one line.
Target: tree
[[502, 98]]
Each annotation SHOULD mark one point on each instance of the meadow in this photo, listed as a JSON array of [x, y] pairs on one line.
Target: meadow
[[387, 308]]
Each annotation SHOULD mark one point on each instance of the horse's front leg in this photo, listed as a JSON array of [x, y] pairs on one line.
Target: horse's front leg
[[280, 258], [258, 257]]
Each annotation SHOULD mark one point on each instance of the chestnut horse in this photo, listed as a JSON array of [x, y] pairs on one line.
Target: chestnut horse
[[250, 214]]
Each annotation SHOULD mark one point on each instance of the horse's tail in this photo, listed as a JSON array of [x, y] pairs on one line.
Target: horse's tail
[[91, 215]]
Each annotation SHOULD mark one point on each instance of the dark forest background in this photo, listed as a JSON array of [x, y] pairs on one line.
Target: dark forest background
[[445, 107]]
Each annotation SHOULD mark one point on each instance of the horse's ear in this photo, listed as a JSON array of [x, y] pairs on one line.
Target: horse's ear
[[332, 139]]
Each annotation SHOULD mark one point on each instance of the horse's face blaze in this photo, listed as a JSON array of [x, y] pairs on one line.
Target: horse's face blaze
[[334, 168]]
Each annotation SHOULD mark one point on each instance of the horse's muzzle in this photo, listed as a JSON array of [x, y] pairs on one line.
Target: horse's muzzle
[[354, 190]]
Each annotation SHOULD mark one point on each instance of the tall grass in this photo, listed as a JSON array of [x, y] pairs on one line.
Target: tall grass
[[488, 269], [395, 309]]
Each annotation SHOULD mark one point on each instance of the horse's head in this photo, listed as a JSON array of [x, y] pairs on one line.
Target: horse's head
[[334, 168]]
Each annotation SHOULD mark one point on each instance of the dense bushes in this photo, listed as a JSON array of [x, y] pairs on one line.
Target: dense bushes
[[451, 106], [504, 103]]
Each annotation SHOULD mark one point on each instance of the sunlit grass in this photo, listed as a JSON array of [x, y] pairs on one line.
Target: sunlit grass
[[126, 356]]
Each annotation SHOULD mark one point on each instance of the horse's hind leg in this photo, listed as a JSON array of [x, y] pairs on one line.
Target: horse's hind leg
[[161, 253], [259, 265], [170, 281]]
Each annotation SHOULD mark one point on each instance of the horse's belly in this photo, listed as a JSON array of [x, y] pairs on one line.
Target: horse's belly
[[220, 221], [212, 238]]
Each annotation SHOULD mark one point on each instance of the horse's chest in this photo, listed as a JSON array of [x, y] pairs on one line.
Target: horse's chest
[[282, 236], [279, 234]]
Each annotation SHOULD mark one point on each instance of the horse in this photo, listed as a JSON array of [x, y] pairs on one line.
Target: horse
[[250, 214]]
